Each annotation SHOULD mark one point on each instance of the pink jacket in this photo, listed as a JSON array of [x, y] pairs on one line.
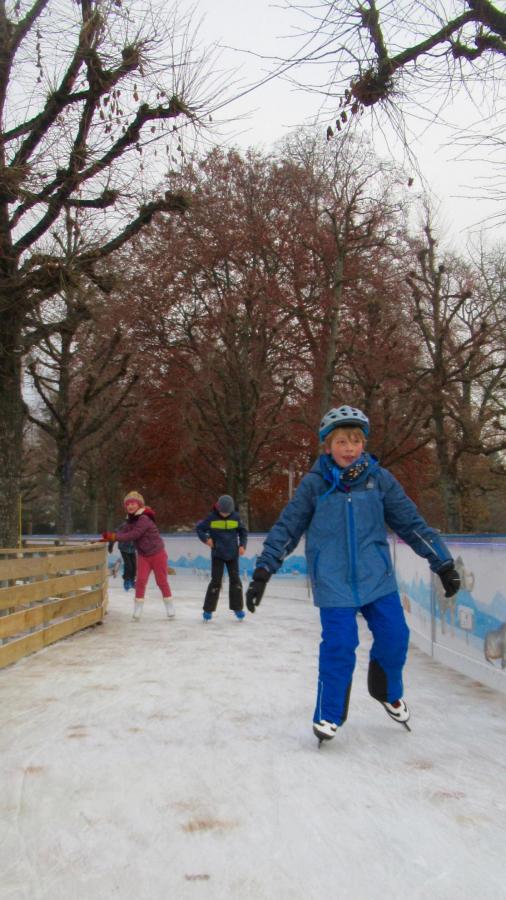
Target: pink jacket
[[141, 529]]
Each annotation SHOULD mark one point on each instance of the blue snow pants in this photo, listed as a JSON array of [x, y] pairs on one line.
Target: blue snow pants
[[385, 618]]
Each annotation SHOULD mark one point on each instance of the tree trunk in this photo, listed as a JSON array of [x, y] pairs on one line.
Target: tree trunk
[[65, 476], [447, 481], [240, 493], [329, 362], [92, 502], [12, 417]]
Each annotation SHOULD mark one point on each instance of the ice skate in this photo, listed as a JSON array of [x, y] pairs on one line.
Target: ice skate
[[207, 616], [240, 614], [324, 731], [137, 613], [169, 608], [398, 711]]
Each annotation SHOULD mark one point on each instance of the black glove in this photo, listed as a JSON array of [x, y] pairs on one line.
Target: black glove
[[256, 588], [450, 579]]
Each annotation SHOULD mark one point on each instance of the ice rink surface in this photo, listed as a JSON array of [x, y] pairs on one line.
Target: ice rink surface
[[170, 759]]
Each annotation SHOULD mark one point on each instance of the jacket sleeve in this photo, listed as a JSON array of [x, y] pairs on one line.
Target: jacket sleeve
[[243, 534], [291, 525], [132, 531], [202, 529], [402, 516]]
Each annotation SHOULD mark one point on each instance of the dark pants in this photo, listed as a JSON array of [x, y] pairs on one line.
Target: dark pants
[[129, 566], [386, 621], [235, 599]]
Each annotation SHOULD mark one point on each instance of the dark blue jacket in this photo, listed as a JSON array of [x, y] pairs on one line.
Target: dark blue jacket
[[228, 533], [125, 546], [347, 550]]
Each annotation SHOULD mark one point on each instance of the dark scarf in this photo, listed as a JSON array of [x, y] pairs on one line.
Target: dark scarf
[[342, 479]]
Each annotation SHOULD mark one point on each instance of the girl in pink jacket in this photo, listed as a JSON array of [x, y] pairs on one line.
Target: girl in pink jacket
[[151, 554]]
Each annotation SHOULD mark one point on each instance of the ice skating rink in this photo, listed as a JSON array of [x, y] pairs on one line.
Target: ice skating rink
[[168, 760]]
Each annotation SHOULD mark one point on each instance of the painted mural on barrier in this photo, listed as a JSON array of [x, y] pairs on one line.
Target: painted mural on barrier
[[474, 621], [187, 553]]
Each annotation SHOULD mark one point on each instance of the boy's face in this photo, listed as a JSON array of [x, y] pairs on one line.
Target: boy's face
[[344, 447], [132, 506]]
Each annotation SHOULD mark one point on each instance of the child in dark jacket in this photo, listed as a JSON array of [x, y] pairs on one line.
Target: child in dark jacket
[[223, 531], [344, 505], [141, 530], [127, 551]]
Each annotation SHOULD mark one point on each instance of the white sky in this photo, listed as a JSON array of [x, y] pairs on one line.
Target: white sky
[[172, 760], [261, 27]]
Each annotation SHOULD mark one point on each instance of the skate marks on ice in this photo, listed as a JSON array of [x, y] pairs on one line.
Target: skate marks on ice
[[422, 765], [207, 823], [198, 775]]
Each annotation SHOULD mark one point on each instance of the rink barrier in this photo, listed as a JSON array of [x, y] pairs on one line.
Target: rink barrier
[[49, 591], [467, 634]]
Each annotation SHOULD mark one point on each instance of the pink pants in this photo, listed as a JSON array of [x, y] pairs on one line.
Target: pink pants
[[147, 564]]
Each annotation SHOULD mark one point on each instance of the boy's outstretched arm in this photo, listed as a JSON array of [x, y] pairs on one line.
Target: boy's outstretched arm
[[282, 539], [403, 517]]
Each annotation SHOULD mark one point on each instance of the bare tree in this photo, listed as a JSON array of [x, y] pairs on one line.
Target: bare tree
[[218, 326], [461, 379], [381, 52], [351, 315], [90, 92], [83, 379]]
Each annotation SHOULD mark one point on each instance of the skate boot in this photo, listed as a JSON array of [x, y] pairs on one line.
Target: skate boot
[[324, 731], [169, 608], [240, 614], [137, 613], [398, 711], [207, 616]]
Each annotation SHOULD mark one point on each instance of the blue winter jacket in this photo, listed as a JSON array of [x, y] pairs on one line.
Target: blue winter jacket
[[347, 551], [228, 533]]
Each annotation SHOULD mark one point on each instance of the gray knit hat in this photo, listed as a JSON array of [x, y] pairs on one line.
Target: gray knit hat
[[225, 504]]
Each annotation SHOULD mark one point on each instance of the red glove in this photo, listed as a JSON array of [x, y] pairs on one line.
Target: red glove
[[108, 536]]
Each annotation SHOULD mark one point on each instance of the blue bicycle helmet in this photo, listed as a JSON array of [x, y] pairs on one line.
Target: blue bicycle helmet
[[343, 415]]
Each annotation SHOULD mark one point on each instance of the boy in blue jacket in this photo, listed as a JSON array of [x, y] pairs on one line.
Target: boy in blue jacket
[[223, 531], [344, 505]]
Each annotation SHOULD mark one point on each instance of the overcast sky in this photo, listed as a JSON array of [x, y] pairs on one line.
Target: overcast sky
[[249, 31]]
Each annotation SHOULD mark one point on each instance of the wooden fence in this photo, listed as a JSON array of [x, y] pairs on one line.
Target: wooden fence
[[48, 592]]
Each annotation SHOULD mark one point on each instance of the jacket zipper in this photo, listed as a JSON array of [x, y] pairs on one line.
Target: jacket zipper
[[353, 555]]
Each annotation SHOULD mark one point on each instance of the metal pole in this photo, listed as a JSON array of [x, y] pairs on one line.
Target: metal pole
[[291, 474], [20, 522]]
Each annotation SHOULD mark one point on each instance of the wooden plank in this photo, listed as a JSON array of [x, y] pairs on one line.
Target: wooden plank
[[18, 622], [16, 649], [21, 594], [19, 568], [44, 547]]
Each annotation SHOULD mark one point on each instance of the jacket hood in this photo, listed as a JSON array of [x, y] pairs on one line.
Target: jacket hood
[[145, 511]]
